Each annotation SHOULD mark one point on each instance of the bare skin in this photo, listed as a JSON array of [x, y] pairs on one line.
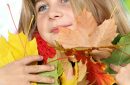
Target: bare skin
[[122, 76], [21, 73]]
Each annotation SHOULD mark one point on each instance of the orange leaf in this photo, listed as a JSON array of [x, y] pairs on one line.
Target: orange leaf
[[97, 75]]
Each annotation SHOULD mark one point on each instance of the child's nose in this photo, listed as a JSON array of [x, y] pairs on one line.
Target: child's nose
[[55, 14]]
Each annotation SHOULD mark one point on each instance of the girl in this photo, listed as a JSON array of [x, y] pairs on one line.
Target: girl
[[49, 15]]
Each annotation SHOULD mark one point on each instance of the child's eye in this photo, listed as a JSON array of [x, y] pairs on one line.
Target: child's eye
[[43, 8], [64, 1]]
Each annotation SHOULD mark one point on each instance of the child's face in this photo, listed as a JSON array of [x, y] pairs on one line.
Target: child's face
[[52, 14]]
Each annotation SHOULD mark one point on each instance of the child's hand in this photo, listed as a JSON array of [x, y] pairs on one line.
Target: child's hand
[[21, 73], [123, 75]]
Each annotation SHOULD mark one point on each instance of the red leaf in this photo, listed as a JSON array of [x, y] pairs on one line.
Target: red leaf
[[80, 55], [97, 75]]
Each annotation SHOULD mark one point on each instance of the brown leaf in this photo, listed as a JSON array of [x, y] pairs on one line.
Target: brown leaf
[[104, 34], [87, 33], [87, 22], [101, 53], [84, 25]]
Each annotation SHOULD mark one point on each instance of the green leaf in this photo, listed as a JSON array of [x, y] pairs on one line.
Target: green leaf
[[121, 55], [56, 73]]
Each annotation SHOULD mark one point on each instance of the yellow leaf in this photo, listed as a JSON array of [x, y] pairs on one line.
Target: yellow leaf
[[15, 48], [4, 47], [21, 47], [6, 59], [73, 80]]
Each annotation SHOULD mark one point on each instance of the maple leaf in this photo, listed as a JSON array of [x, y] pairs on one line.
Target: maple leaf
[[101, 53], [87, 33], [74, 38], [104, 35], [95, 70], [96, 74], [15, 48]]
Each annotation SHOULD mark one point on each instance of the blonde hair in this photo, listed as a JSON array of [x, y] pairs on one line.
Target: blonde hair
[[101, 10], [27, 11]]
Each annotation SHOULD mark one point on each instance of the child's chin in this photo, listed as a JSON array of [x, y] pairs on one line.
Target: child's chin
[[52, 43]]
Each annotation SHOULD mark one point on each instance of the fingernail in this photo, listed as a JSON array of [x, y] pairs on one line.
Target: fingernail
[[41, 58]]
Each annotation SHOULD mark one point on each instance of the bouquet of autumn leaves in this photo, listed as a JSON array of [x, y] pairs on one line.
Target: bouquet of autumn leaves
[[85, 46], [92, 48], [78, 54]]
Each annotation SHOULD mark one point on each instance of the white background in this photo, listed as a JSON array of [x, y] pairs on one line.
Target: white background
[[6, 23]]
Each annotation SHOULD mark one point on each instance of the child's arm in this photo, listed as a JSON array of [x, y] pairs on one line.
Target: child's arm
[[21, 73]]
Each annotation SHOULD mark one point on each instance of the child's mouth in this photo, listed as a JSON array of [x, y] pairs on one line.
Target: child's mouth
[[56, 29]]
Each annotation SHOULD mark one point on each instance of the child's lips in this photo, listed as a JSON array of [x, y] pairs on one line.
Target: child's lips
[[56, 29]]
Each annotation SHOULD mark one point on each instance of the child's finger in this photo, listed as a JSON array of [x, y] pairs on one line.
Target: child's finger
[[30, 59], [115, 67], [38, 68], [38, 78]]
